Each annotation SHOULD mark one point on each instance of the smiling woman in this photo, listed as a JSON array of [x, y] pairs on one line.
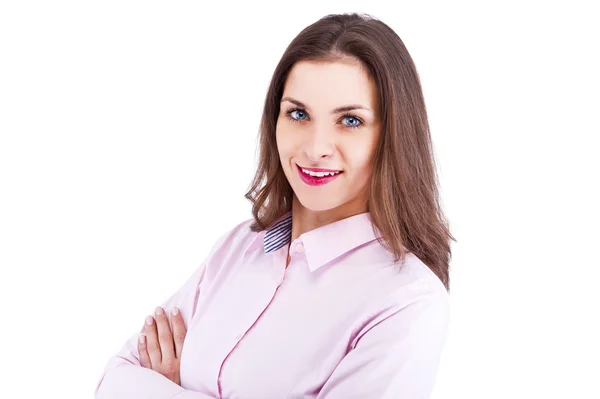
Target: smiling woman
[[317, 133], [338, 285]]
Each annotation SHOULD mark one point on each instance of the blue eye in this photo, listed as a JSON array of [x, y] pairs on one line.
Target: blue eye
[[350, 117], [290, 112], [355, 122]]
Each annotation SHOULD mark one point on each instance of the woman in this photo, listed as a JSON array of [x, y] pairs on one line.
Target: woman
[[338, 286]]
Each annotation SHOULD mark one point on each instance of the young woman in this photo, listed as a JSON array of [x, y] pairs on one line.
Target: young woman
[[338, 286]]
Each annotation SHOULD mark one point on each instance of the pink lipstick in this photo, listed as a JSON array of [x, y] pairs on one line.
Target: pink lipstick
[[315, 180]]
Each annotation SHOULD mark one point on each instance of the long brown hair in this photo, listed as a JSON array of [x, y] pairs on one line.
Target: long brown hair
[[403, 195]]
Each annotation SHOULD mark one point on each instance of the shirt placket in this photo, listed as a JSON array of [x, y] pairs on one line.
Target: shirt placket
[[266, 296]]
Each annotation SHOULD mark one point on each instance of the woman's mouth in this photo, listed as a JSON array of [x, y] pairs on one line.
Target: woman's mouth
[[317, 177]]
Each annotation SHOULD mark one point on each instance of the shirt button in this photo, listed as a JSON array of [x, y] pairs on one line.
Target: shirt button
[[299, 248]]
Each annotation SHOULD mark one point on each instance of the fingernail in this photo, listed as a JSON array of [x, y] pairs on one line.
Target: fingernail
[[159, 310], [142, 339], [175, 311], [149, 320]]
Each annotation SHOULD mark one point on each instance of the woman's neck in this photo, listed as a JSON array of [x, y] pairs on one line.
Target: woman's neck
[[304, 219]]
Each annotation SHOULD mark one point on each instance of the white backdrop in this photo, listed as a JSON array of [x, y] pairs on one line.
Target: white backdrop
[[127, 141]]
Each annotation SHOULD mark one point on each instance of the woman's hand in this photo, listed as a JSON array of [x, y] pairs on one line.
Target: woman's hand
[[160, 350]]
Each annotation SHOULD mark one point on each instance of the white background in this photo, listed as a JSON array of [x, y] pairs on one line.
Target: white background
[[127, 141]]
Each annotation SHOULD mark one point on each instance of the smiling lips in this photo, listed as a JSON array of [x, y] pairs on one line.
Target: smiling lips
[[317, 176]]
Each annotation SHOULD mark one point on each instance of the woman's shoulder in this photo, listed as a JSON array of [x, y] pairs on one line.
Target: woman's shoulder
[[236, 236], [408, 280], [419, 275]]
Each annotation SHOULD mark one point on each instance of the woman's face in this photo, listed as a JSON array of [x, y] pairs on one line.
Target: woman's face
[[328, 120]]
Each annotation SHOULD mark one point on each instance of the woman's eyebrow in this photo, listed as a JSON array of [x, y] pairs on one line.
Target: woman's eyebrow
[[344, 108]]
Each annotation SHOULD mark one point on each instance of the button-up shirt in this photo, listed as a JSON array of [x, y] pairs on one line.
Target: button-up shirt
[[342, 320]]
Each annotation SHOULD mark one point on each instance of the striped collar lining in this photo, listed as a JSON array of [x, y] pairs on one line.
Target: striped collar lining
[[279, 234]]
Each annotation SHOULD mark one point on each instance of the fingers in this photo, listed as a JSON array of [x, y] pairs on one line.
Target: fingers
[[144, 358], [179, 330], [165, 338], [159, 343], [152, 345]]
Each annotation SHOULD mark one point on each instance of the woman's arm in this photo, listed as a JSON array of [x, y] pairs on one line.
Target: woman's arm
[[124, 377], [397, 355]]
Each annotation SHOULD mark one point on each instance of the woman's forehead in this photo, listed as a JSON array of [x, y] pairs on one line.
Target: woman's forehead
[[330, 84]]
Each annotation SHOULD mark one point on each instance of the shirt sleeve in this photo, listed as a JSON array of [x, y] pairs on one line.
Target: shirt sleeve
[[397, 355], [125, 378]]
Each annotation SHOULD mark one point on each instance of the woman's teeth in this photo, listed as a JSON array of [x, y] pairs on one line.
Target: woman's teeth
[[320, 174]]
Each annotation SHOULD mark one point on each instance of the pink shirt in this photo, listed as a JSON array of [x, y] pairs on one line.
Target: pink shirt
[[342, 321]]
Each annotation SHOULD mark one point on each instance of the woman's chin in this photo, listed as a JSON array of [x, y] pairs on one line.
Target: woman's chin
[[318, 204]]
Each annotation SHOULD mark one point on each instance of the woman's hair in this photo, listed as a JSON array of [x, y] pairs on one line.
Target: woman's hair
[[403, 198]]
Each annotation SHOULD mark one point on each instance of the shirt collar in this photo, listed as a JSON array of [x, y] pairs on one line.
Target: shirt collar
[[324, 244], [279, 234]]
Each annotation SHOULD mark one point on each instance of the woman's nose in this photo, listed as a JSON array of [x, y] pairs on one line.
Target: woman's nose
[[319, 145]]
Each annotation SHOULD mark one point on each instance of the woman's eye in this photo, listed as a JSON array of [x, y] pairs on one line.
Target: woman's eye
[[297, 112], [354, 122], [299, 115]]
